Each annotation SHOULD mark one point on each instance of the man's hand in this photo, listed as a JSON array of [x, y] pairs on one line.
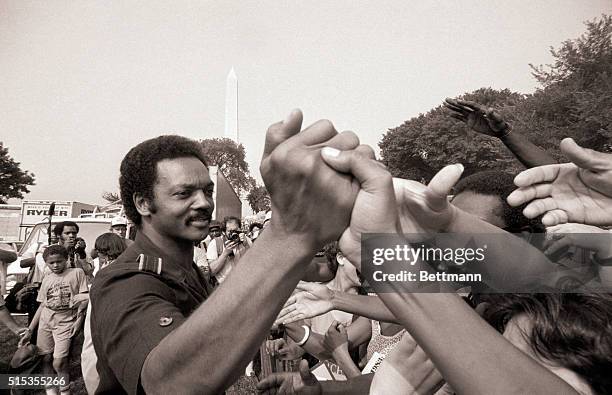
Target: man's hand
[[336, 339], [578, 192], [312, 300], [479, 118], [283, 349], [302, 382], [375, 208], [425, 209], [585, 236], [310, 201], [25, 337]]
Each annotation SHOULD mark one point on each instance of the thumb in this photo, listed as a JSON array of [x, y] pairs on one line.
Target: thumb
[[443, 182], [360, 162], [584, 157]]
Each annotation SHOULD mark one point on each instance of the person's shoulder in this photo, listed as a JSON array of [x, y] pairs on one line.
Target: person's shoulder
[[131, 265]]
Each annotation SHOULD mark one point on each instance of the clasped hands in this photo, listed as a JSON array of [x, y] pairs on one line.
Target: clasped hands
[[325, 186]]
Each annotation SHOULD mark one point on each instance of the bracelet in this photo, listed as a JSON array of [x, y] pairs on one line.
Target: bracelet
[[306, 335]]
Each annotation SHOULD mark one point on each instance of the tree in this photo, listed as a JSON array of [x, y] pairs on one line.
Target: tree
[[576, 95], [421, 146], [111, 197], [259, 199], [230, 158], [574, 100], [14, 182]]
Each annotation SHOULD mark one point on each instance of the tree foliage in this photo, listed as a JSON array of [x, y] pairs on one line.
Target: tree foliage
[[14, 182], [111, 197], [574, 100], [259, 199], [230, 158]]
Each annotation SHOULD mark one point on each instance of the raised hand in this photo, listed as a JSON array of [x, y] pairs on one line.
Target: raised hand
[[478, 117], [284, 350], [302, 382], [310, 201], [336, 338], [312, 300], [579, 192]]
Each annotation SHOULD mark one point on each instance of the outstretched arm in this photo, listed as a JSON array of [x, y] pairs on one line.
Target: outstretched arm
[[488, 122], [316, 299], [449, 331]]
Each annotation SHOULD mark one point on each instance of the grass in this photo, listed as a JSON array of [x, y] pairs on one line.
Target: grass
[[8, 342]]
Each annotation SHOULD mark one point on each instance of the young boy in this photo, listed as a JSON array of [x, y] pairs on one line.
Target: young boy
[[63, 298]]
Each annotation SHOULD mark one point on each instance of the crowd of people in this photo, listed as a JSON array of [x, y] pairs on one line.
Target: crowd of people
[[189, 305]]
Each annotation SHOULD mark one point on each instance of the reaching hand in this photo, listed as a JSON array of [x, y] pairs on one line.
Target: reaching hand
[[585, 236], [375, 208], [312, 300], [25, 337], [284, 350], [336, 338], [578, 192], [479, 118], [310, 201], [425, 209], [302, 382]]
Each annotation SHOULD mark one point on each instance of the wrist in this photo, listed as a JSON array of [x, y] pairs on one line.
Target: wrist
[[333, 299]]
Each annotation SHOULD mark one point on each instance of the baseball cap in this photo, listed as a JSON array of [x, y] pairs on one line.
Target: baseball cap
[[116, 221]]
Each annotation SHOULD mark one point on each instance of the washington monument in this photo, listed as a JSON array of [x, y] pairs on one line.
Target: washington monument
[[231, 106]]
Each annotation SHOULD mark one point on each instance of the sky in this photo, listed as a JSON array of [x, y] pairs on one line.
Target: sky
[[83, 82]]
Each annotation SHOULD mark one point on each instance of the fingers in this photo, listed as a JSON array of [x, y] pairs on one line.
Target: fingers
[[457, 109], [287, 309], [344, 141], [291, 317], [537, 175], [281, 131], [318, 133], [555, 217], [539, 207], [558, 245], [371, 175], [584, 157], [442, 183], [471, 105], [527, 194]]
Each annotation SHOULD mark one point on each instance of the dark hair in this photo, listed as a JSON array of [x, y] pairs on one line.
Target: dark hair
[[231, 218], [501, 184], [110, 244], [330, 251], [55, 249], [59, 228], [569, 330], [255, 224], [139, 167]]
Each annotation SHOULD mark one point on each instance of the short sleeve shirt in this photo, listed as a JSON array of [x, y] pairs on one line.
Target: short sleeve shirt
[[58, 292], [133, 310]]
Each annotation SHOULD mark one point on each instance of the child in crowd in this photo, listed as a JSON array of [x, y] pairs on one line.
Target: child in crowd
[[63, 298]]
